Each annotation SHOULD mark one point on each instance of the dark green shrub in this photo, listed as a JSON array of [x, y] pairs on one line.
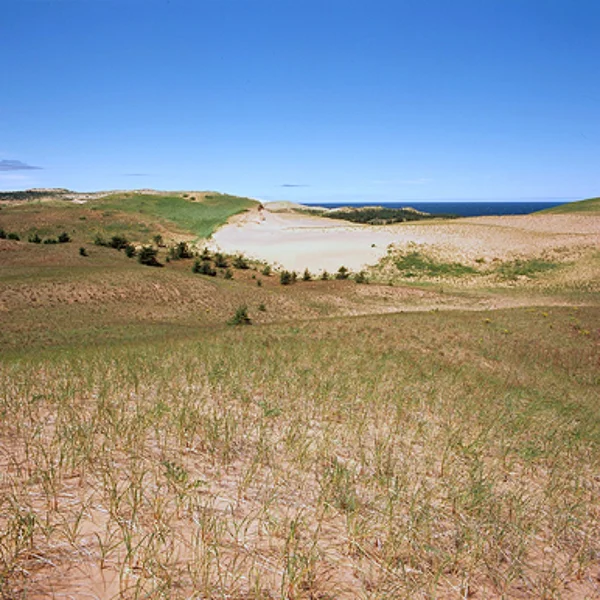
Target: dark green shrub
[[306, 276], [50, 241], [361, 277], [285, 278], [262, 307], [220, 261], [35, 239], [204, 268], [2, 234], [83, 251], [240, 262], [266, 271], [118, 242], [64, 238], [158, 240], [342, 273], [205, 255], [130, 250], [324, 276], [228, 274], [240, 317], [14, 236], [100, 241], [147, 256], [180, 251]]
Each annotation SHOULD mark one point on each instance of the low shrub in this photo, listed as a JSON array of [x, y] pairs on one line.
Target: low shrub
[[240, 317], [147, 256], [130, 251], [83, 251], [34, 239], [266, 270], [415, 264], [525, 268], [13, 236], [180, 251], [220, 261], [240, 262], [306, 276], [203, 267], [64, 238]]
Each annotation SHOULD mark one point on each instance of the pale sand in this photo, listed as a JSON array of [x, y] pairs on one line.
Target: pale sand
[[297, 241]]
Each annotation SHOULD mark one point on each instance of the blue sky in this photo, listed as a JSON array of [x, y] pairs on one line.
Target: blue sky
[[303, 100]]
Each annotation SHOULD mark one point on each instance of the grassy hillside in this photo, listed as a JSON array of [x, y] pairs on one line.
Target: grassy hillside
[[198, 217], [337, 447], [583, 206], [404, 456], [136, 216]]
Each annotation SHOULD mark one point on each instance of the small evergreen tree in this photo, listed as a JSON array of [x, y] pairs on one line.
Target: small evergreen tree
[[240, 317], [342, 273], [306, 276], [324, 276], [147, 256], [220, 261], [285, 278], [240, 262]]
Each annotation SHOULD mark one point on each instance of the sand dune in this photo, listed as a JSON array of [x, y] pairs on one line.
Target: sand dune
[[296, 241]]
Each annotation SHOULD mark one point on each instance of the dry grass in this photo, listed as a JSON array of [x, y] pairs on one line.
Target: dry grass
[[330, 450], [434, 455]]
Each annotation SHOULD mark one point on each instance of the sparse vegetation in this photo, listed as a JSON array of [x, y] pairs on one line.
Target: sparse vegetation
[[525, 268], [416, 264], [204, 267], [327, 451], [240, 262], [240, 317]]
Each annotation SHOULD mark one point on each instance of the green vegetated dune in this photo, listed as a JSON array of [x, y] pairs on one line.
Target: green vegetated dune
[[582, 206], [330, 446]]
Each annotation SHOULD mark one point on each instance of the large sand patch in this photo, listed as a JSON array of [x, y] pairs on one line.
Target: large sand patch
[[296, 241]]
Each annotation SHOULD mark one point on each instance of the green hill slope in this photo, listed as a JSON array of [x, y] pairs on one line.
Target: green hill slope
[[583, 206]]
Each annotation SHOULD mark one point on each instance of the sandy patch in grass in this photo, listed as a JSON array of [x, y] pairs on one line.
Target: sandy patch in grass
[[296, 241]]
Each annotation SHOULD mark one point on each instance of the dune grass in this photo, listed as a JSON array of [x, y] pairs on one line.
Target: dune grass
[[400, 456], [200, 218], [592, 205]]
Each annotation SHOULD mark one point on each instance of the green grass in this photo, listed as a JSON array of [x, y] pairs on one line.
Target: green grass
[[199, 218], [592, 205], [525, 268], [415, 264]]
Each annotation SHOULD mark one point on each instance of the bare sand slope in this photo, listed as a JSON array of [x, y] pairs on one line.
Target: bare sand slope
[[296, 241]]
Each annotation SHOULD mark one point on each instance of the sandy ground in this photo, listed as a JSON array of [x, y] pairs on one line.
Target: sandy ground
[[296, 241]]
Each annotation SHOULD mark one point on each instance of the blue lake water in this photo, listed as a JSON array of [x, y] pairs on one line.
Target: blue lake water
[[463, 209]]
